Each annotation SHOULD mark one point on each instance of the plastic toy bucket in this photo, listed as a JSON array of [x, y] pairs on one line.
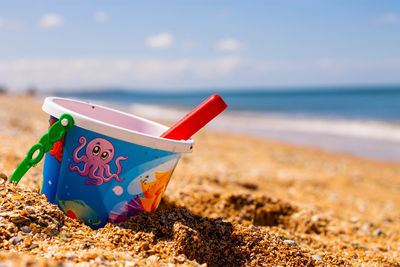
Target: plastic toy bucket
[[110, 166]]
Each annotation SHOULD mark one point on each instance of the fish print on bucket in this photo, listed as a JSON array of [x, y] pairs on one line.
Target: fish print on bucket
[[78, 209]]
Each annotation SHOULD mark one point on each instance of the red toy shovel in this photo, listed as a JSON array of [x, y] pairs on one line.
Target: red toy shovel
[[196, 119]]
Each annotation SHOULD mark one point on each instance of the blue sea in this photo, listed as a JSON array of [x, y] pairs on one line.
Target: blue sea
[[363, 121]]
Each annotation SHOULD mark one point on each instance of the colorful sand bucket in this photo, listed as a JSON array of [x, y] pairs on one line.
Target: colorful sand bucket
[[110, 166]]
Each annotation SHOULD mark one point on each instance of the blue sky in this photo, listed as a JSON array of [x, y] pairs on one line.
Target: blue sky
[[198, 44]]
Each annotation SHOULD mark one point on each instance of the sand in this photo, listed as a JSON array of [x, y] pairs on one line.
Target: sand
[[234, 201]]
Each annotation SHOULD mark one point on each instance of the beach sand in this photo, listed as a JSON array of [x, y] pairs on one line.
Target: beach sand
[[234, 201]]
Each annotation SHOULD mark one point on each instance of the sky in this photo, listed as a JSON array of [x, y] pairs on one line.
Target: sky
[[185, 44]]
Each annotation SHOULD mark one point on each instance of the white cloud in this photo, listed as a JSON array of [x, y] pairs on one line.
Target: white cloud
[[160, 41], [51, 20], [100, 17], [228, 45], [387, 19]]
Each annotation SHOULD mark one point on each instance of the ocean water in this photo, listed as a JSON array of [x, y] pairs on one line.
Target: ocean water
[[363, 121], [374, 103]]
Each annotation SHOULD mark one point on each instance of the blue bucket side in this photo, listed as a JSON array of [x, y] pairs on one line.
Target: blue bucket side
[[103, 179]]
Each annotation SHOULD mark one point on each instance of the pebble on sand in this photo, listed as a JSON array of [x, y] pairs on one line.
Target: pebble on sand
[[290, 242], [15, 240], [377, 232], [26, 229], [317, 257]]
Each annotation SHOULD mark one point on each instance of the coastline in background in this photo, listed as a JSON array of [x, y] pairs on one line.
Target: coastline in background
[[353, 120]]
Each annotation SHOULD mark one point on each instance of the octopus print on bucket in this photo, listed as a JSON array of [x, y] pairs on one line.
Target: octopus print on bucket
[[99, 152]]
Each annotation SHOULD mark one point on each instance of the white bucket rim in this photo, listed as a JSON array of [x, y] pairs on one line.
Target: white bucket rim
[[118, 132]]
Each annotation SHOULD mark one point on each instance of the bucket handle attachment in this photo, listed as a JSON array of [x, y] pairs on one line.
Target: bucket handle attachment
[[46, 142]]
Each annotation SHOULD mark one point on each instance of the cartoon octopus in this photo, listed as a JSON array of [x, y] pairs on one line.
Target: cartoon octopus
[[99, 152]]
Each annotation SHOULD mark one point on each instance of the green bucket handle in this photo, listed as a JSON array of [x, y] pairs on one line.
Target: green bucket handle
[[55, 134]]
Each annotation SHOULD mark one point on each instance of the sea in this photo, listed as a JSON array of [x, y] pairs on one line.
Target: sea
[[357, 120]]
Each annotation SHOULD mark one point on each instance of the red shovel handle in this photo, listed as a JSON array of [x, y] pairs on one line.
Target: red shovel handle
[[196, 119]]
